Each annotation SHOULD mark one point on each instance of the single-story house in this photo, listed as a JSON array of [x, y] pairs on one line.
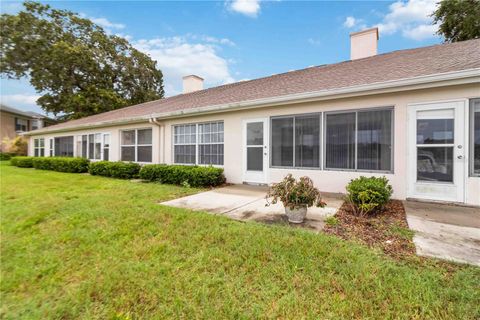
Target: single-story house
[[410, 115]]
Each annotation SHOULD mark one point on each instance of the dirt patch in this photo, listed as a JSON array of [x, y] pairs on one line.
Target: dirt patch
[[387, 229]]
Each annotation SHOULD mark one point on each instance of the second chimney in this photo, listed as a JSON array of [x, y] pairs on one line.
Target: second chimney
[[192, 83], [363, 44]]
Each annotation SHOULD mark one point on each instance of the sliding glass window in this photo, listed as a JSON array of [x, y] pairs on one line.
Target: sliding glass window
[[475, 137], [295, 141], [359, 140], [136, 145], [64, 146], [200, 143]]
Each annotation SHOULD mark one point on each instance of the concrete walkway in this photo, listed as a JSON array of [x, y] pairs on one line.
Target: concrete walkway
[[245, 202], [445, 231]]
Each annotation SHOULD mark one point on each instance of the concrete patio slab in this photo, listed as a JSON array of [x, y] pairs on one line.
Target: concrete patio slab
[[445, 231], [246, 202]]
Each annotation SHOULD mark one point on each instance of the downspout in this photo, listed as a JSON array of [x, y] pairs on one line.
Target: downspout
[[162, 134]]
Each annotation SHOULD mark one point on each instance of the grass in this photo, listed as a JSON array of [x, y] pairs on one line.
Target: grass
[[84, 247]]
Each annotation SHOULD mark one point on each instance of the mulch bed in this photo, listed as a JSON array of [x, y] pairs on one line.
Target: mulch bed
[[386, 229]]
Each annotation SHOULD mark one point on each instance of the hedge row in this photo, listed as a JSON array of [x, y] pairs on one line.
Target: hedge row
[[174, 174], [120, 170], [61, 164], [170, 174], [22, 162], [6, 155]]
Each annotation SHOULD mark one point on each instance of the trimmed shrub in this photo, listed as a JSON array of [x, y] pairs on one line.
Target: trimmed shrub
[[22, 161], [6, 156], [61, 164], [120, 170], [367, 195], [193, 176]]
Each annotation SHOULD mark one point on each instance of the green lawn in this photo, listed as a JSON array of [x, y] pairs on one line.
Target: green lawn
[[77, 246]]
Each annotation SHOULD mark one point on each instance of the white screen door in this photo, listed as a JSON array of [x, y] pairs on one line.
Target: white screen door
[[255, 150], [436, 154]]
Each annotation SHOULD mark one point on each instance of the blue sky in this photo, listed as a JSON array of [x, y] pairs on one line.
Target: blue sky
[[226, 41]]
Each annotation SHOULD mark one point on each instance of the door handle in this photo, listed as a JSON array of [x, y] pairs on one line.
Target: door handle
[[460, 157]]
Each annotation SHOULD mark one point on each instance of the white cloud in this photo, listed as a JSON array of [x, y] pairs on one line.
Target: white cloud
[[179, 56], [421, 32], [105, 23], [19, 99], [249, 8], [350, 22], [411, 18]]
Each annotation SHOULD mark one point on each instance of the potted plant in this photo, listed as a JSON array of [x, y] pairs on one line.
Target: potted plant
[[296, 197]]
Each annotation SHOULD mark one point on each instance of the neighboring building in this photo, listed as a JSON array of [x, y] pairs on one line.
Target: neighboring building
[[15, 122], [410, 115]]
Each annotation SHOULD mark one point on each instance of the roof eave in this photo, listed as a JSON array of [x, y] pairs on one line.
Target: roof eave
[[422, 82]]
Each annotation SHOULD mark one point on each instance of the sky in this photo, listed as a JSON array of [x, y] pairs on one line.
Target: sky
[[235, 40]]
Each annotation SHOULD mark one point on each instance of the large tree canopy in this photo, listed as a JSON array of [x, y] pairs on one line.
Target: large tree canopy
[[78, 68], [459, 19]]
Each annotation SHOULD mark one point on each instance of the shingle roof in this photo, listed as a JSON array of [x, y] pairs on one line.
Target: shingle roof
[[395, 65]]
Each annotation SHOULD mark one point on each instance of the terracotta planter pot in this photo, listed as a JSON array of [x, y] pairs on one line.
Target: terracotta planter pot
[[296, 215]]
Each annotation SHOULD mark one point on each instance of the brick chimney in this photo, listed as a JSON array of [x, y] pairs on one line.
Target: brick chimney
[[363, 44], [192, 83]]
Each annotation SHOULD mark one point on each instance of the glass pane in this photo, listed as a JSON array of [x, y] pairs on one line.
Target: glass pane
[[144, 136], [184, 154], [434, 131], [128, 154], [307, 141], [435, 164], [106, 154], [282, 142], [128, 137], [254, 133], [42, 152], [144, 154], [91, 146], [340, 141], [42, 143], [476, 137], [36, 152], [36, 143], [211, 154], [374, 139], [84, 146], [106, 140], [98, 145], [255, 158], [64, 146]]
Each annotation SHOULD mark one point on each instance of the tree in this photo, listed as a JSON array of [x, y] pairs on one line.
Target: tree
[[459, 19], [78, 68]]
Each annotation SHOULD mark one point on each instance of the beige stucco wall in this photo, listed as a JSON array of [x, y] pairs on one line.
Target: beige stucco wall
[[7, 127], [330, 181]]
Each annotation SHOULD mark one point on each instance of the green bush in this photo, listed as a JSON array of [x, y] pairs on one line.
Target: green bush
[[22, 161], [194, 176], [368, 195], [61, 164], [6, 156], [120, 170]]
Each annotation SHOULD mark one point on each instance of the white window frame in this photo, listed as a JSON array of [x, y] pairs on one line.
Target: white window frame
[[197, 143], [320, 133], [104, 147], [52, 147], [39, 145], [356, 111], [136, 145], [472, 136], [79, 138]]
